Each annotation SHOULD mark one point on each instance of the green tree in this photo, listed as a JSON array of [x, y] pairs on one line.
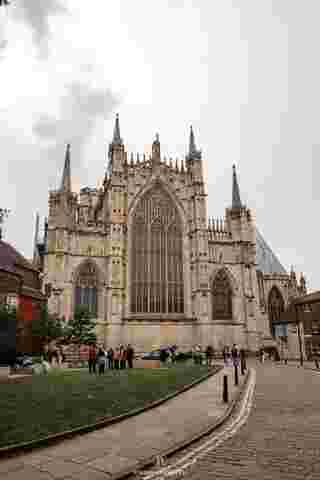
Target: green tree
[[7, 312], [47, 327], [80, 328]]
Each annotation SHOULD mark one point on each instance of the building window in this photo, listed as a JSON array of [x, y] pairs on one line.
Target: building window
[[221, 297], [275, 308], [156, 256], [12, 300], [86, 289]]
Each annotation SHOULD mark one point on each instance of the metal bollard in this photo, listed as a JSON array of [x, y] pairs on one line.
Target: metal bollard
[[242, 367], [236, 375], [225, 389]]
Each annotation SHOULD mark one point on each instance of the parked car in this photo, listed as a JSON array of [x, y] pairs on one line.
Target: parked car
[[23, 360], [154, 355]]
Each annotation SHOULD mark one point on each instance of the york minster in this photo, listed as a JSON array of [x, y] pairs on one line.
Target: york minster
[[143, 256]]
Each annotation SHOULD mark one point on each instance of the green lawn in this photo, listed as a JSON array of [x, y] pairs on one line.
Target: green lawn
[[67, 399]]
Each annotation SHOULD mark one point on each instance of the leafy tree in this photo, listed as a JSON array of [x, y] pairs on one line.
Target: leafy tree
[[47, 327], [7, 312], [80, 328]]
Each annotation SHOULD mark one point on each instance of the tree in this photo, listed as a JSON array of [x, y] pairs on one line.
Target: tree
[[47, 327], [80, 328], [8, 325]]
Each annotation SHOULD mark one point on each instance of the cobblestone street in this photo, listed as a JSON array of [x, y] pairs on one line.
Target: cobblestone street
[[281, 439]]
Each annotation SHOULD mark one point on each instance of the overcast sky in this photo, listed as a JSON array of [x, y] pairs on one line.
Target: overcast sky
[[244, 73]]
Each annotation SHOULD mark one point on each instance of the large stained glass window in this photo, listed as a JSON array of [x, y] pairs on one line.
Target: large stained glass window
[[86, 289], [275, 308], [156, 256], [221, 297]]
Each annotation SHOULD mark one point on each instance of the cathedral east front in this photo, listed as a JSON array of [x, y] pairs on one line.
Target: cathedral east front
[[142, 255]]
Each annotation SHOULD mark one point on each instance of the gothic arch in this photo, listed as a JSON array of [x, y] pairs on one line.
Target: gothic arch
[[87, 280], [156, 254], [275, 307], [222, 292]]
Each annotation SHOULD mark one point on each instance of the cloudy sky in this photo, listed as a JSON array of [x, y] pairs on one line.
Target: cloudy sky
[[244, 73]]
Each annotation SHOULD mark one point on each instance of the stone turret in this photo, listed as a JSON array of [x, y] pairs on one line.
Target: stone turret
[[116, 151]]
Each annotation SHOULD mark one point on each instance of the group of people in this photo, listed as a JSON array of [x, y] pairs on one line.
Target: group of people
[[118, 358], [197, 355], [234, 356]]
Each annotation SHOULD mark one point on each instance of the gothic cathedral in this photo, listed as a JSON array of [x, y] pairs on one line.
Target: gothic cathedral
[[141, 254]]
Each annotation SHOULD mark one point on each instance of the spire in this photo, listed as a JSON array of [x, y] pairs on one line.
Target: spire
[[36, 238], [156, 155], [236, 202], [193, 154], [66, 177], [117, 140]]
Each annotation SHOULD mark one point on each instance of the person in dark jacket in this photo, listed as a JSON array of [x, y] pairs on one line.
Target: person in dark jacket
[[130, 355], [110, 358], [243, 359], [101, 360], [92, 358]]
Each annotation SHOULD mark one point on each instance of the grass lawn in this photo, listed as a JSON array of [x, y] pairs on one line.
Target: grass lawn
[[66, 399]]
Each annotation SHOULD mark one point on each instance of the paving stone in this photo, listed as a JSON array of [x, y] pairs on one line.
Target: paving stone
[[281, 437]]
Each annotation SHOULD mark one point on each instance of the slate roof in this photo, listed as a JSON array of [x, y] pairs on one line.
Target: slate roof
[[10, 258], [267, 261]]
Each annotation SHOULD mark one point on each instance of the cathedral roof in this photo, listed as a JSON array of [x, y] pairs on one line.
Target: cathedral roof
[[267, 261]]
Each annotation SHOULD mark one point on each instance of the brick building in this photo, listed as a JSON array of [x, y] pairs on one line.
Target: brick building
[[20, 286]]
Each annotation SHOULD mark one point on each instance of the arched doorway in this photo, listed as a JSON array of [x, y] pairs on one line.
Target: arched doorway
[[156, 267], [275, 308]]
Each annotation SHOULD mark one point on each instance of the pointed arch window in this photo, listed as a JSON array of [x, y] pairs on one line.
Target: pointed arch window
[[86, 289], [156, 256], [221, 297], [275, 308]]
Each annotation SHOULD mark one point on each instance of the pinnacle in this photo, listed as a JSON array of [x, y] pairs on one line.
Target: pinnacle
[[236, 202]]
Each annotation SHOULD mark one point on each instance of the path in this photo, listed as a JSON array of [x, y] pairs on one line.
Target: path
[[281, 439]]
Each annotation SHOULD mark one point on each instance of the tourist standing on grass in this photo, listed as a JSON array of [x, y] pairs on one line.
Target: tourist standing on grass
[[92, 358], [110, 358], [130, 355], [116, 358], [101, 360], [121, 356]]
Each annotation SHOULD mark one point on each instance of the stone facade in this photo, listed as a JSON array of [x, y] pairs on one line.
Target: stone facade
[[96, 230]]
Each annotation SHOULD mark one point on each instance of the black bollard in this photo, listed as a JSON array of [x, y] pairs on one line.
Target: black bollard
[[242, 367], [225, 389], [236, 376]]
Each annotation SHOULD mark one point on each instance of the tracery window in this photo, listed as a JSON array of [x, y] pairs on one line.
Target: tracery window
[[275, 308], [156, 256], [221, 297], [86, 289]]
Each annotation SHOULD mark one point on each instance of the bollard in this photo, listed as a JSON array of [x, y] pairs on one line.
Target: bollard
[[242, 367], [236, 376], [225, 389]]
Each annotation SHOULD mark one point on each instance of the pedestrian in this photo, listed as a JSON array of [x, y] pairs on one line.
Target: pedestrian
[[101, 360], [209, 355], [194, 354], [285, 355], [316, 356], [124, 358], [130, 355], [243, 360], [224, 355], [262, 355], [235, 355], [116, 358], [92, 358], [228, 357], [198, 354], [121, 357], [110, 358]]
